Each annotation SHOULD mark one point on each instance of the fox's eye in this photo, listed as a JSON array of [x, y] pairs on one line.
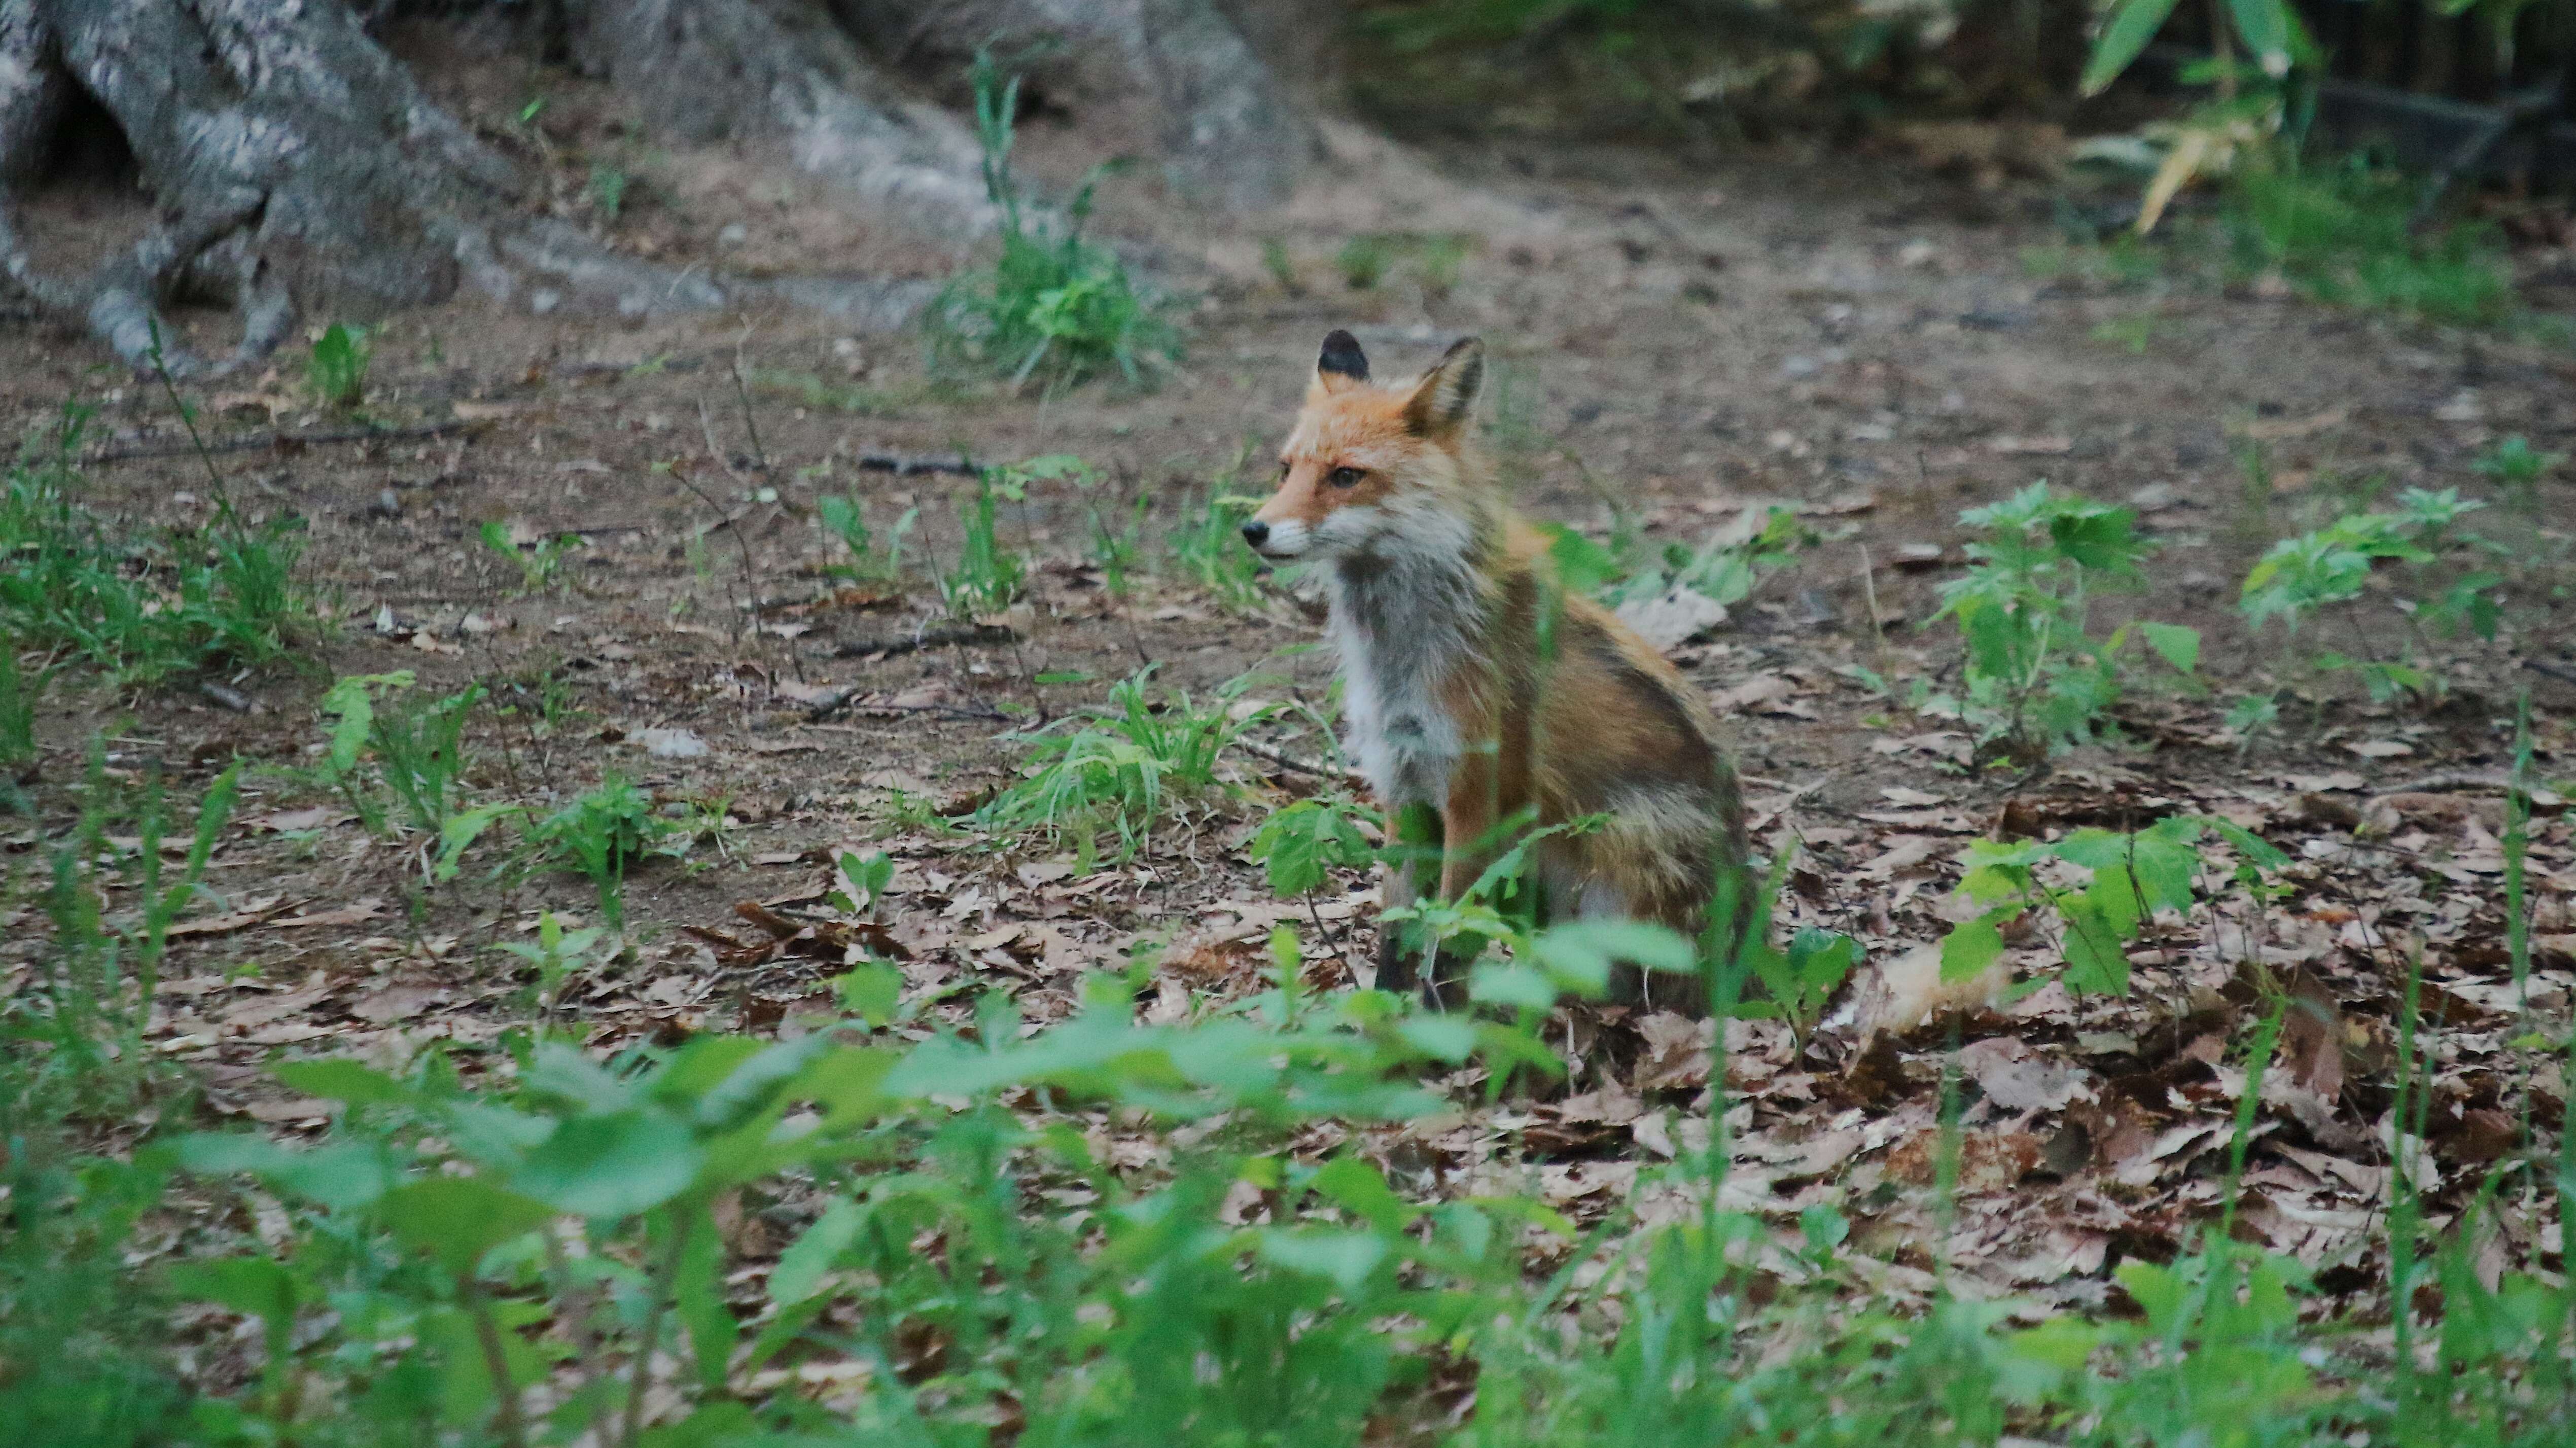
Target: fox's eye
[[1346, 477]]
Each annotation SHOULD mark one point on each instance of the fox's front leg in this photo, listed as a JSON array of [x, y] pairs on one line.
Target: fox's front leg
[[1466, 829], [1412, 864]]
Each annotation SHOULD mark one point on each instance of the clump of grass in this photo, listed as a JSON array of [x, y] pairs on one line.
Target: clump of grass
[[17, 707], [1207, 544], [1118, 773], [1434, 259], [871, 560], [417, 747], [1055, 307], [989, 575], [606, 190], [140, 604], [2345, 232], [2517, 467]]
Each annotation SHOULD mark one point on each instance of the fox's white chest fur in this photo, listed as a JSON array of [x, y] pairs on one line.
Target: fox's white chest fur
[[1405, 616]]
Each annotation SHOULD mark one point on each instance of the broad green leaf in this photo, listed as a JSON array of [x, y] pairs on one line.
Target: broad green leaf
[[339, 1079], [720, 1424], [568, 1073], [848, 1084], [1346, 1257], [2175, 644], [1356, 1186], [2156, 1289], [342, 1175], [2097, 961], [870, 990], [700, 1067], [461, 831], [2264, 25], [611, 1166], [1970, 948], [1443, 1038], [1580, 953], [2258, 852], [1494, 984], [252, 1286], [2065, 1343], [800, 1269], [455, 1220], [698, 1296]]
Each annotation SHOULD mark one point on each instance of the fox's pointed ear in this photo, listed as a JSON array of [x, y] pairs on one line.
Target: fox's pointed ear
[[1447, 393], [1342, 363]]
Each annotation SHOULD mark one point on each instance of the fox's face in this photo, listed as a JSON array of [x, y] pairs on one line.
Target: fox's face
[[1368, 465]]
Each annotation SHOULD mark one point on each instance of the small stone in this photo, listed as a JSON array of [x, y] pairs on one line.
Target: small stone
[[669, 743]]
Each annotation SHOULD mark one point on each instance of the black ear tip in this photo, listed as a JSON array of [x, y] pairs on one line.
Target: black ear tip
[[1342, 354]]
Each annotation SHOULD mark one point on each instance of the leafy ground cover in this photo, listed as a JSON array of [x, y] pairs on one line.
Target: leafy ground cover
[[663, 928]]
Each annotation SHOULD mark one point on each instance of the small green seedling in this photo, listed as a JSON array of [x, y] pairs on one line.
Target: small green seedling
[[555, 954], [540, 563], [602, 834], [336, 369], [871, 560]]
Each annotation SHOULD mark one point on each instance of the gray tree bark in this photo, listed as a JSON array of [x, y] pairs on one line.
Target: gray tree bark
[[291, 156]]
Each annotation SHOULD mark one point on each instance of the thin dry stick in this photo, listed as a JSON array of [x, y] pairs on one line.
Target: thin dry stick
[[274, 437], [1877, 621], [742, 395], [642, 1377], [750, 584], [487, 1333]]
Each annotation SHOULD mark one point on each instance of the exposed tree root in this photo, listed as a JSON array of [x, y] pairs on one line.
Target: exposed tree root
[[291, 156]]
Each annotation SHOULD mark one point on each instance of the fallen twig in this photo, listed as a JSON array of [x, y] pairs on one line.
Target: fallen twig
[[2449, 780], [906, 464], [937, 638], [2548, 670], [228, 696], [1290, 761], [274, 437], [846, 700]]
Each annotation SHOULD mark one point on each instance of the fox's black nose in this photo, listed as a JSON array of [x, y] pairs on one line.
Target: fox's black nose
[[1256, 532]]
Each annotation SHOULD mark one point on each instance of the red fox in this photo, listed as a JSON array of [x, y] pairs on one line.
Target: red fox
[[1474, 686]]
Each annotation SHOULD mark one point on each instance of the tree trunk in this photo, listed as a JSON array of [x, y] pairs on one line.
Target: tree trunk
[[1179, 77], [291, 157]]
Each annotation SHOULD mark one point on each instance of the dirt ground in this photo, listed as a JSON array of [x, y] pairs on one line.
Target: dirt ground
[[1848, 335]]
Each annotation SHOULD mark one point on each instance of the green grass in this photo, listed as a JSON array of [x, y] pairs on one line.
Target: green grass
[[1118, 774], [2340, 232], [1206, 544], [138, 604], [1054, 308], [2343, 233]]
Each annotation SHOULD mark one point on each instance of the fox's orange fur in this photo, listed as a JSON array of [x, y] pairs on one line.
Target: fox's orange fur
[[1473, 684]]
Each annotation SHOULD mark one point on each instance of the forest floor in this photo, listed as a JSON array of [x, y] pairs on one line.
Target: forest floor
[[1679, 345]]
